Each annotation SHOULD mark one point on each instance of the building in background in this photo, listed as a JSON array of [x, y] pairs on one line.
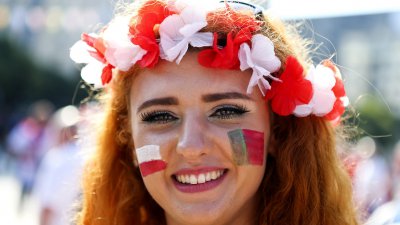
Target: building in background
[[368, 51], [48, 28]]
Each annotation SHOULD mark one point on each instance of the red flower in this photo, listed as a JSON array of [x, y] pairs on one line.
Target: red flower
[[338, 107], [224, 58], [106, 74], [100, 49], [292, 90], [337, 111], [240, 26], [227, 57], [150, 59], [97, 44], [339, 91], [144, 28]]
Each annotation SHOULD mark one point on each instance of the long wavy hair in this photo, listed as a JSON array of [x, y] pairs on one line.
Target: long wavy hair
[[305, 182]]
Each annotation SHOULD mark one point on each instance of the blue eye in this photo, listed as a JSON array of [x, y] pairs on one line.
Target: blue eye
[[229, 111], [158, 117]]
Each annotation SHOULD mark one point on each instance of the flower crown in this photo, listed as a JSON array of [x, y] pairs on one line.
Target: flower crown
[[165, 29]]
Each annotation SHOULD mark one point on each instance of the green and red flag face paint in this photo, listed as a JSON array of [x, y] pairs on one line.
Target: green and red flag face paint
[[247, 146]]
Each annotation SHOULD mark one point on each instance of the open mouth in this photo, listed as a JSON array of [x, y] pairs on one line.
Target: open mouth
[[196, 182], [199, 178]]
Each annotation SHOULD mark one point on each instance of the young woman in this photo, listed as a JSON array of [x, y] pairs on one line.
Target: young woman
[[212, 115]]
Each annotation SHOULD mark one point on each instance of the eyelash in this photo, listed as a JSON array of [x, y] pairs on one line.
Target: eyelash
[[224, 112], [159, 117]]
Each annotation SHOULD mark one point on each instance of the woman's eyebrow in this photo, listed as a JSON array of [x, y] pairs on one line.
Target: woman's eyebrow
[[227, 95], [158, 101]]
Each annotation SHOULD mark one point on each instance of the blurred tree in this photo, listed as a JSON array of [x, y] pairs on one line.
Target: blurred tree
[[376, 120], [23, 82]]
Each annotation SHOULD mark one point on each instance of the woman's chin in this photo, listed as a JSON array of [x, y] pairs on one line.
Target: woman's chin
[[197, 215]]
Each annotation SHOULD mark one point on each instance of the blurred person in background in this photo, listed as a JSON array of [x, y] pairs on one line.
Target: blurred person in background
[[372, 178], [389, 213], [26, 143], [4, 159], [57, 184]]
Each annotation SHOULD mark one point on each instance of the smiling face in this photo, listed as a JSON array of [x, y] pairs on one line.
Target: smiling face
[[186, 116]]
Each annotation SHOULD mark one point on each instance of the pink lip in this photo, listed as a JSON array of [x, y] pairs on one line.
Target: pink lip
[[197, 171], [194, 188]]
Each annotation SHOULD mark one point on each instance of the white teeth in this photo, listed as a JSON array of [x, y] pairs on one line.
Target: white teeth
[[187, 179], [181, 179], [193, 179], [208, 176], [213, 175], [201, 178]]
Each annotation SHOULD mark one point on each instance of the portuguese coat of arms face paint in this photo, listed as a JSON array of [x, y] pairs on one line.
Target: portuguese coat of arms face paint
[[150, 160], [247, 146]]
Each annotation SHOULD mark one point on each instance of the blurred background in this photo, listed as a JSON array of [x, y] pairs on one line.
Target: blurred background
[[42, 98]]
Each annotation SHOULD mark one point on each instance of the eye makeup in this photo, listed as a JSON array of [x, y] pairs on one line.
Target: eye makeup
[[247, 146], [157, 117], [150, 160], [229, 111]]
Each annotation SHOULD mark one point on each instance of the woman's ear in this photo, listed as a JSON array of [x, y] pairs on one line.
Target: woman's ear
[[134, 159], [135, 163]]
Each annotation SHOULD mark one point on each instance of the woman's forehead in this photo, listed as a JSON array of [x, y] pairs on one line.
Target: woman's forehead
[[188, 79]]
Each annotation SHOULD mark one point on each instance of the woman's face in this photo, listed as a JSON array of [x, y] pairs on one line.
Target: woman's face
[[189, 111]]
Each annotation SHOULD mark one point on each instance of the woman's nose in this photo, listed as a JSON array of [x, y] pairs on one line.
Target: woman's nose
[[192, 139]]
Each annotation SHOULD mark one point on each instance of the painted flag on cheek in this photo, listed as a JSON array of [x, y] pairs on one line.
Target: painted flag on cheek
[[247, 146], [150, 160]]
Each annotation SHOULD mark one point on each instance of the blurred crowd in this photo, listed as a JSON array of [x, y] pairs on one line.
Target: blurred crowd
[[376, 183], [44, 153]]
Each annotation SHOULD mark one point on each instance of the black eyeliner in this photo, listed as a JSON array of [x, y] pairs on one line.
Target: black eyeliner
[[238, 111], [155, 117]]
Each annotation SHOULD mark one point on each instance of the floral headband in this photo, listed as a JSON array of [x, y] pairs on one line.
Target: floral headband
[[165, 29]]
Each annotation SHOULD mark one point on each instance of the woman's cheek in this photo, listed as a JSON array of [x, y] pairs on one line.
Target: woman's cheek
[[150, 160], [247, 146], [247, 149]]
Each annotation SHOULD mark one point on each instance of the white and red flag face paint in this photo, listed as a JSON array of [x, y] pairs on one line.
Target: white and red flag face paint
[[247, 146], [150, 160]]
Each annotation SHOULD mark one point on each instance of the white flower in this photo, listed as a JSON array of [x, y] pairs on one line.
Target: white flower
[[179, 30], [261, 58], [91, 73], [178, 5], [323, 99], [80, 53], [120, 51]]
